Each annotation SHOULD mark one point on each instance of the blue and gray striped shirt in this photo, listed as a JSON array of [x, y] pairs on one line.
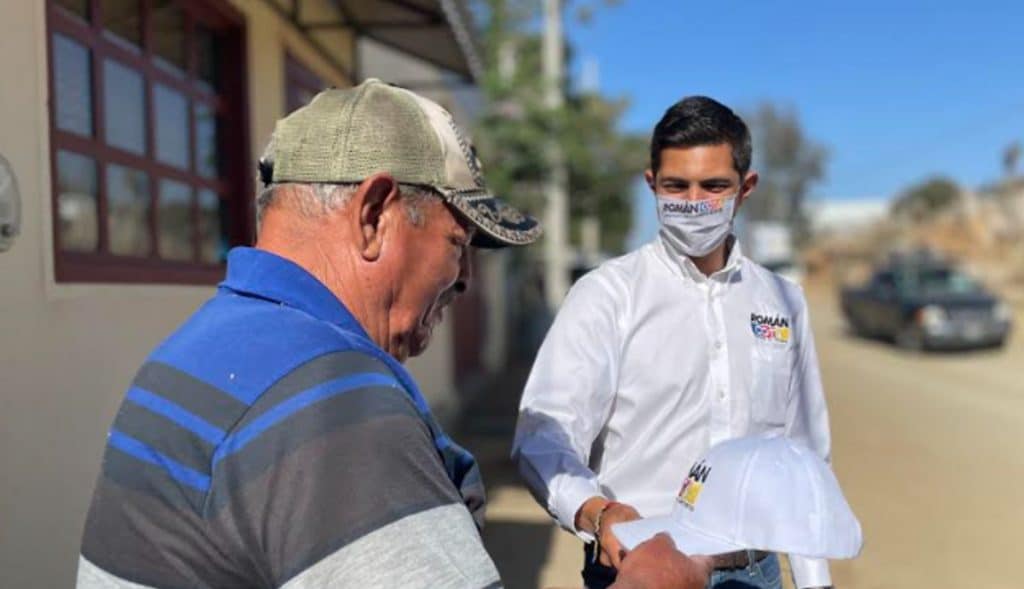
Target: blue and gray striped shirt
[[270, 443]]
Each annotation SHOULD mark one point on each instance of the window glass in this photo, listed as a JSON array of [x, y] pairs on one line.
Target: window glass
[[122, 21], [171, 126], [124, 107], [72, 75], [79, 8], [76, 202], [168, 35], [213, 226], [128, 211], [207, 158], [175, 215], [208, 53]]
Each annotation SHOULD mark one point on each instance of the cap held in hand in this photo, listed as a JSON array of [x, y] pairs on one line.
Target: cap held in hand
[[756, 493]]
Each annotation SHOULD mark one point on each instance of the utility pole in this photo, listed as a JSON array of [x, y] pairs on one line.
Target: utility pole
[[556, 214]]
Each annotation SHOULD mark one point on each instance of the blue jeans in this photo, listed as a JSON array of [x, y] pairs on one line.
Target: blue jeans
[[763, 574]]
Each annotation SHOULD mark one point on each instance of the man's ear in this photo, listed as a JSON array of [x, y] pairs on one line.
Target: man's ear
[[373, 197], [649, 177], [749, 183]]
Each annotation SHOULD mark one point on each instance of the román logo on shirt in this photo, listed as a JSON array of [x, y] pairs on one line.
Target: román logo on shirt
[[770, 328], [693, 485]]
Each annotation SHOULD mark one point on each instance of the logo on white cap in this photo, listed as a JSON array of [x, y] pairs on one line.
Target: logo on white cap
[[756, 493], [693, 485]]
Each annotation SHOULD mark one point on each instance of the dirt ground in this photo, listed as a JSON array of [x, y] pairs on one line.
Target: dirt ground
[[929, 450]]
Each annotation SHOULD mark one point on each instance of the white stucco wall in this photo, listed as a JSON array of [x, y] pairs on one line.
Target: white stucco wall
[[67, 352]]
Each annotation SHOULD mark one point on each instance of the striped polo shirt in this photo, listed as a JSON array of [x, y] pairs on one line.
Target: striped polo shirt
[[270, 443]]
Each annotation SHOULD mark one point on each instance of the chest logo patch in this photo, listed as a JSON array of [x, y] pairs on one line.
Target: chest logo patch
[[770, 328], [693, 485]]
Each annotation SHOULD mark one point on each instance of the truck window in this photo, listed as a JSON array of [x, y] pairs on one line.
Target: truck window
[[885, 281]]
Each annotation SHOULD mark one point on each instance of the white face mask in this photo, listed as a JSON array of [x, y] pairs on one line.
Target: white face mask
[[695, 227]]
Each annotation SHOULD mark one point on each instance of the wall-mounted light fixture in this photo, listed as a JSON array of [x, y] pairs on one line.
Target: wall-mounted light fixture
[[10, 206]]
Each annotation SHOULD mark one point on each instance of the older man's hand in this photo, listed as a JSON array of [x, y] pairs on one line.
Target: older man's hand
[[656, 564]]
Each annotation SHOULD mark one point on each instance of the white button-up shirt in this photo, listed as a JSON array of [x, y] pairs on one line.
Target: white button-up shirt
[[648, 363]]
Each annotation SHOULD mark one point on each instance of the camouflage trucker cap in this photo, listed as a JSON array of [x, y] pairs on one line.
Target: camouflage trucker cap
[[345, 136]]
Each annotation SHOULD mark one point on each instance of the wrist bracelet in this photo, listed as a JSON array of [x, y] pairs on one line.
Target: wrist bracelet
[[597, 527]]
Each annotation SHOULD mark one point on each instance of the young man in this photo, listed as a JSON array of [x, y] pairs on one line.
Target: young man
[[667, 350]]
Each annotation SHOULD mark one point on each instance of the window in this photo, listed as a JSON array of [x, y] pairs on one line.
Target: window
[[301, 85], [151, 176], [885, 281]]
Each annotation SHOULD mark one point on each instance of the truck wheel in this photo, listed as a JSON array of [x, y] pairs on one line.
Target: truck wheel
[[910, 338]]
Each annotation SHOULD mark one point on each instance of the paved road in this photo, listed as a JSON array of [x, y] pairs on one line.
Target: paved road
[[929, 450]]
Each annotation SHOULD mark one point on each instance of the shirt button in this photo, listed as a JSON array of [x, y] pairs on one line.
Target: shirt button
[[718, 345], [721, 394]]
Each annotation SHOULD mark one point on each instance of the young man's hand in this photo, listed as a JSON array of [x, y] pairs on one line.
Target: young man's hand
[[656, 564], [609, 513]]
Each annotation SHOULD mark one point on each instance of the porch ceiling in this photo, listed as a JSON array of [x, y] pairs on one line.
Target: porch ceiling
[[439, 32]]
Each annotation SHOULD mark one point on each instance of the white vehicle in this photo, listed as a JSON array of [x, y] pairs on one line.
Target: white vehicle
[[770, 244]]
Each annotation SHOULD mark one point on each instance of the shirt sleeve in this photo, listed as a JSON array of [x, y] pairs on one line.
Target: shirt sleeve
[[568, 399], [347, 491], [808, 423]]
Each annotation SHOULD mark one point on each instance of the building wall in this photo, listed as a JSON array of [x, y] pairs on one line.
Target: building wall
[[68, 351]]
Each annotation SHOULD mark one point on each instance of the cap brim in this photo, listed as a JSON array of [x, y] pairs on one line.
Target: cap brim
[[687, 540], [498, 223]]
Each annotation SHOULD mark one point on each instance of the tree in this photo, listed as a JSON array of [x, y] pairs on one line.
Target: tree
[[603, 165], [922, 201], [516, 125], [1011, 157], [789, 164], [585, 10]]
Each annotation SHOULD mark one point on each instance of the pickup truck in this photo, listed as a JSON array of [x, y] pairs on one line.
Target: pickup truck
[[927, 305]]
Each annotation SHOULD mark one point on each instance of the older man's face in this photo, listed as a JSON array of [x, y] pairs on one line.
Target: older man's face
[[434, 267]]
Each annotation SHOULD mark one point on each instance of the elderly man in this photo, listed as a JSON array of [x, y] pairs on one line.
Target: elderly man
[[275, 439]]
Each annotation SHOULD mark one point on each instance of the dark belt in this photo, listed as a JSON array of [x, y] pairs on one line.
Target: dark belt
[[738, 560]]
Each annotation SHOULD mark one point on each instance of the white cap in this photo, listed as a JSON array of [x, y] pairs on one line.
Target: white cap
[[756, 493]]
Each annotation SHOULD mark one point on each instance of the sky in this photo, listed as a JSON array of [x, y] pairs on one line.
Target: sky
[[897, 91]]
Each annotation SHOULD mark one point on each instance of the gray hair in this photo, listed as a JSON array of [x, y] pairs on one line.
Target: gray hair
[[317, 199]]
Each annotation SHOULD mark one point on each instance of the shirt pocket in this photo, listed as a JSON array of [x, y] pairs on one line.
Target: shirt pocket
[[771, 369]]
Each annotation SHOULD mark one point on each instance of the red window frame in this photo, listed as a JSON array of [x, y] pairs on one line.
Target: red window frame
[[233, 186]]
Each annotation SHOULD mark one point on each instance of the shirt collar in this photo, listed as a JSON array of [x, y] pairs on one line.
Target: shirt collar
[[685, 266], [262, 274]]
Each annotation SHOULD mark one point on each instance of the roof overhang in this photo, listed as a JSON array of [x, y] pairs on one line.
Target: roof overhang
[[438, 32]]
